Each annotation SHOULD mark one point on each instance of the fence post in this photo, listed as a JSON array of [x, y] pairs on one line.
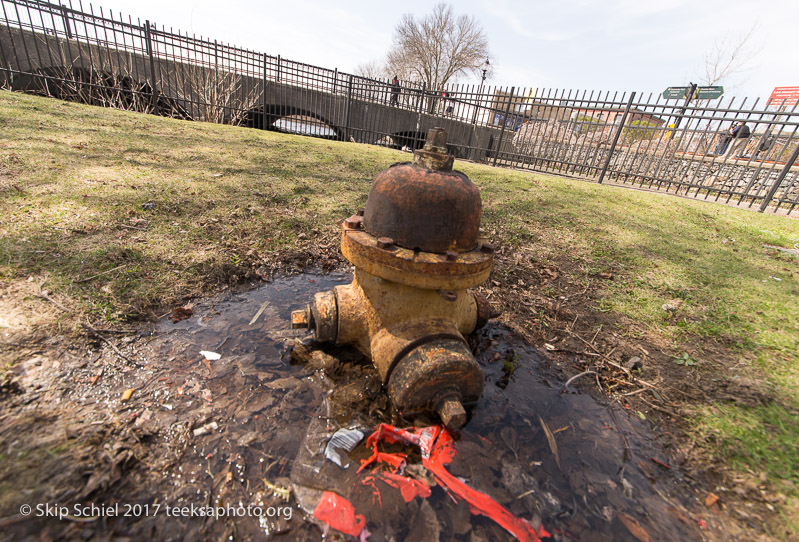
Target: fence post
[[263, 96], [66, 22], [348, 109], [149, 43], [776, 186], [278, 69], [335, 80], [504, 124], [681, 114], [616, 137]]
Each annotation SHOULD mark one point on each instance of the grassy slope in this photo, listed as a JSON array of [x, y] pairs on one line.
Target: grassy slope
[[229, 201]]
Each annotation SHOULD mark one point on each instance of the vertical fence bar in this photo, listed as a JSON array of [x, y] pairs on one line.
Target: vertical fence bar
[[263, 97], [347, 108], [149, 44], [504, 125], [616, 138], [65, 17], [778, 181]]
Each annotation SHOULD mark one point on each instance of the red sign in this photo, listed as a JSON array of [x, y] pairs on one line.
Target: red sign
[[784, 95]]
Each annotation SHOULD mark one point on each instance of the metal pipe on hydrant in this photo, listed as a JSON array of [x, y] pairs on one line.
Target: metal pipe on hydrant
[[416, 252]]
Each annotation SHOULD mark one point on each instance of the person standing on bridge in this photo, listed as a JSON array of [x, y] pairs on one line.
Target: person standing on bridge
[[395, 91], [740, 137]]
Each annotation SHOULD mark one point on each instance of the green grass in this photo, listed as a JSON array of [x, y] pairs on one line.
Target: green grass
[[73, 180]]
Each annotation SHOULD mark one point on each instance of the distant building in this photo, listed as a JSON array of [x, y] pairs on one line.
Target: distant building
[[613, 115]]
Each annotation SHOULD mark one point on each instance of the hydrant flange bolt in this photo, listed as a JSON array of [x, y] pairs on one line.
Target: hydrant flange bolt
[[449, 295], [452, 255], [354, 222], [386, 243], [487, 248]]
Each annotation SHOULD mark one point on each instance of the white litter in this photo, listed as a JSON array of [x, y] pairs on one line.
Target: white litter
[[210, 356], [204, 429], [344, 439]]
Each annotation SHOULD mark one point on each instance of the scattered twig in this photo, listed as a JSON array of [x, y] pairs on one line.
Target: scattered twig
[[636, 392], [117, 331], [109, 343], [259, 313], [571, 327], [661, 463], [11, 520], [220, 345], [131, 227], [528, 492], [575, 377], [661, 409], [553, 445], [87, 279], [46, 297]]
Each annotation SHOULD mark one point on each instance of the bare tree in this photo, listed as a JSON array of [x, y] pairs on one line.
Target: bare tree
[[437, 48], [729, 56], [372, 70]]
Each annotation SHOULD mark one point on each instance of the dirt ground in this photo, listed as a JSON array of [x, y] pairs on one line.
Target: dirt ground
[[230, 433]]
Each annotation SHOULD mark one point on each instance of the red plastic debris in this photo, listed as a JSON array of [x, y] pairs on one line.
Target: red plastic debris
[[410, 488], [396, 461], [339, 513], [370, 481], [437, 449]]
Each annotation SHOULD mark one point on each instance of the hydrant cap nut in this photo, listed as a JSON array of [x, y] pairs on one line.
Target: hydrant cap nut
[[452, 413]]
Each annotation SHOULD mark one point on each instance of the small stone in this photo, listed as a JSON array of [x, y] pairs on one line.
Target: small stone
[[635, 363]]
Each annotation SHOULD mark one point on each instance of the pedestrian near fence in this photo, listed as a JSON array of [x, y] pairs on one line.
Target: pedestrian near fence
[[395, 91], [739, 138]]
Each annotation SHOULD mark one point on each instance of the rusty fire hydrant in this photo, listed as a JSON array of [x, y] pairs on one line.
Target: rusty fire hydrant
[[416, 252]]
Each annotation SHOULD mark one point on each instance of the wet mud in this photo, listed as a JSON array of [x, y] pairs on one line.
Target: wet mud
[[248, 431]]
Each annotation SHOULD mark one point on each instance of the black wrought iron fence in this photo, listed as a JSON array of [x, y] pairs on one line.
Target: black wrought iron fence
[[678, 145]]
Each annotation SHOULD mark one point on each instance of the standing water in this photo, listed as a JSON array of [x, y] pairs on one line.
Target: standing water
[[244, 434]]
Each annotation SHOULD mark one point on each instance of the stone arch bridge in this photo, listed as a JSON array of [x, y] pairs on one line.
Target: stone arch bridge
[[344, 108]]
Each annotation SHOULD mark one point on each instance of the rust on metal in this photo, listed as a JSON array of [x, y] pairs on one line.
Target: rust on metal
[[451, 412], [436, 369], [325, 316], [354, 222], [485, 310], [449, 295], [425, 206], [419, 269], [385, 243], [416, 250], [301, 319], [434, 154]]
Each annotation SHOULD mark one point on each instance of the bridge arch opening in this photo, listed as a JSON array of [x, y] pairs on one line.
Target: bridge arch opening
[[409, 139], [293, 120]]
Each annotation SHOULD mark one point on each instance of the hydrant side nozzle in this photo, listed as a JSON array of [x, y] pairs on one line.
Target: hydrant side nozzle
[[324, 314]]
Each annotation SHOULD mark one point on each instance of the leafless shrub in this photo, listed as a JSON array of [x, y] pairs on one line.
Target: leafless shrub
[[220, 95]]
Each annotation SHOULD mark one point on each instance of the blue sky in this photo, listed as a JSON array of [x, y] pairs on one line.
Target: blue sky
[[641, 45]]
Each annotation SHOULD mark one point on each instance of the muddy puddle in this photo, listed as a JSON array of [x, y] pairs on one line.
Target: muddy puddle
[[245, 435]]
